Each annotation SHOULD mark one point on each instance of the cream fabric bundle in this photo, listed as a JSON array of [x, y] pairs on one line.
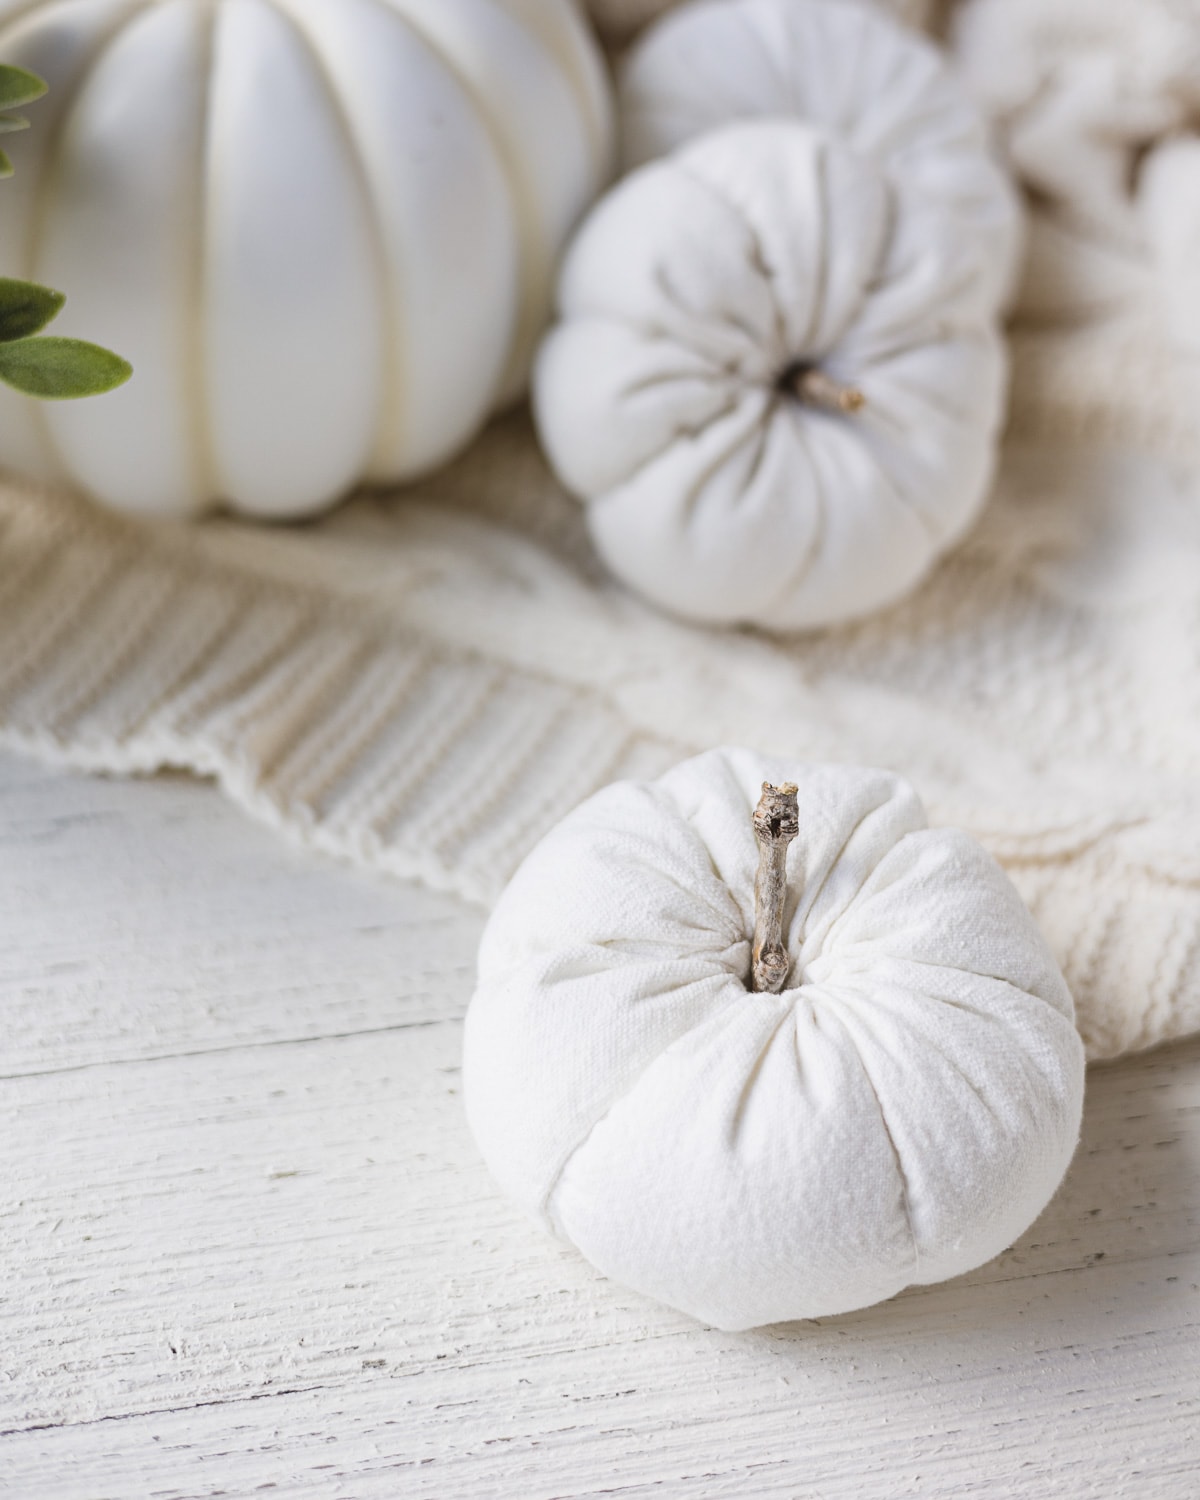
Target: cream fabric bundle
[[1083, 90], [1095, 102], [899, 1114]]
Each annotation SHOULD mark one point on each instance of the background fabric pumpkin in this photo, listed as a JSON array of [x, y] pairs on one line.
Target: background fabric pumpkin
[[697, 297], [619, 20], [323, 234], [846, 66]]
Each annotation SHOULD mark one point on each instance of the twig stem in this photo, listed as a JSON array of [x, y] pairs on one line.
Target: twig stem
[[776, 824], [810, 384]]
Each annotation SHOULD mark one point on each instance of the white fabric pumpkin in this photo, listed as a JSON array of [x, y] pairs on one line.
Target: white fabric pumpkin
[[618, 20], [899, 1114], [691, 291], [324, 233], [876, 85]]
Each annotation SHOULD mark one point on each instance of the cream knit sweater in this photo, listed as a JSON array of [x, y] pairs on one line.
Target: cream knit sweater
[[349, 681]]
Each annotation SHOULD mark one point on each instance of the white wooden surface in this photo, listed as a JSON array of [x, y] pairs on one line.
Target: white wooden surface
[[246, 1246]]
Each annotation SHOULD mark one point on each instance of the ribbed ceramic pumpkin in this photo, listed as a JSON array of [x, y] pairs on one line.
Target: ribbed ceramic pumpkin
[[323, 231]]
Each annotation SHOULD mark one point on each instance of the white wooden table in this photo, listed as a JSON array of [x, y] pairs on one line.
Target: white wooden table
[[246, 1245]]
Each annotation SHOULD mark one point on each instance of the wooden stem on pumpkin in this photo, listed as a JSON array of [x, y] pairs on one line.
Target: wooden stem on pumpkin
[[810, 384], [776, 824]]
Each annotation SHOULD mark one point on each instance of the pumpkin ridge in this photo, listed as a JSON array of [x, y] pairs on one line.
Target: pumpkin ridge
[[15, 16], [727, 449], [196, 353], [390, 402], [403, 451], [761, 264], [583, 74], [546, 1206], [901, 1174], [533, 268]]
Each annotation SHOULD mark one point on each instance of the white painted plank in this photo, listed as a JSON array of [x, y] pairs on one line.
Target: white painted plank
[[245, 1240], [421, 1321], [140, 920]]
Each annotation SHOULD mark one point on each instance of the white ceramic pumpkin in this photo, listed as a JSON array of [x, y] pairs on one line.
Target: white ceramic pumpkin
[[699, 302], [875, 84], [898, 1114], [323, 231]]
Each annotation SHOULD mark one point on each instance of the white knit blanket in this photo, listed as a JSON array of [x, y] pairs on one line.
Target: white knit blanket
[[424, 684]]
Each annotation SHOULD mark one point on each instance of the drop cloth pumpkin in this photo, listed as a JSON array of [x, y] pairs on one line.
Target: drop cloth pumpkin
[[898, 1114], [618, 20], [324, 233], [717, 309], [876, 85]]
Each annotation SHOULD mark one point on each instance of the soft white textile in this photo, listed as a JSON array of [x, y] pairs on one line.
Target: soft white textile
[[1096, 104], [900, 1113]]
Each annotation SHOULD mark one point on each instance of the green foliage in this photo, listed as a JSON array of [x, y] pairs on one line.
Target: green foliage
[[60, 369], [26, 308], [18, 87], [51, 369]]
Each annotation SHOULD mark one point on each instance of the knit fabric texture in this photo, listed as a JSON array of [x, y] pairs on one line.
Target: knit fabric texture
[[344, 681]]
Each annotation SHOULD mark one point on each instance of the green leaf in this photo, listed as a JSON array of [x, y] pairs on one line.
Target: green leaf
[[61, 369], [17, 87], [12, 122], [6, 167], [26, 308]]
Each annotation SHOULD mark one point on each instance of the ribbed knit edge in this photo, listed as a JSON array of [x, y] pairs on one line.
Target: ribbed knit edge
[[124, 653]]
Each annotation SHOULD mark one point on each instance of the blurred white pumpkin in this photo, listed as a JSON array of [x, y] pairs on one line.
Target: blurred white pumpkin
[[324, 234], [776, 380], [848, 67], [618, 20]]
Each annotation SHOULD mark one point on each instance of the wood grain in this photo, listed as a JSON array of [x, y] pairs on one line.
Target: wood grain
[[246, 1244]]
